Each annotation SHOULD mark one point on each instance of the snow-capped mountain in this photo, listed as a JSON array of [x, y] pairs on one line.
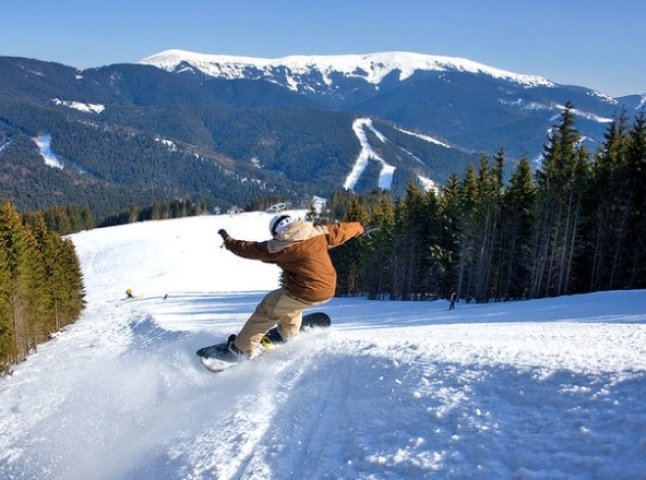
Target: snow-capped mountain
[[459, 100], [296, 72]]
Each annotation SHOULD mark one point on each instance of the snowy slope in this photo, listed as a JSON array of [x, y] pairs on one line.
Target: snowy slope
[[367, 153], [386, 171], [539, 389]]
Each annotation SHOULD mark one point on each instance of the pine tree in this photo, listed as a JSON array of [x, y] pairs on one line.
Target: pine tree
[[468, 192], [7, 350], [447, 251], [399, 281], [518, 216], [434, 270], [36, 296], [635, 243], [14, 239], [378, 257], [49, 273], [607, 206], [71, 289], [413, 226], [486, 225], [347, 258], [561, 184]]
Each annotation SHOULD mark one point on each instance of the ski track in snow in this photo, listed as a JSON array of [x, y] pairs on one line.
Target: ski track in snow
[[367, 153], [44, 143], [546, 389]]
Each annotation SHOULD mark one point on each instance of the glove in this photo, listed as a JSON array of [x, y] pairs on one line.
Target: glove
[[223, 233], [369, 230]]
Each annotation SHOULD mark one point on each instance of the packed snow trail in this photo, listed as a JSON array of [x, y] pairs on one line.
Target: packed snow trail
[[550, 388]]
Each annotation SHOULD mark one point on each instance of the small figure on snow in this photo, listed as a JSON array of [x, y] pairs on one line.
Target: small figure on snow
[[301, 250], [129, 294], [454, 297]]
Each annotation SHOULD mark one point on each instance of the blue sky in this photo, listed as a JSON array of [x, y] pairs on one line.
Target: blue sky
[[593, 43]]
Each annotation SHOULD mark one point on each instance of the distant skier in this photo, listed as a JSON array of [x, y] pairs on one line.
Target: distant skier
[[129, 294], [454, 297], [301, 250]]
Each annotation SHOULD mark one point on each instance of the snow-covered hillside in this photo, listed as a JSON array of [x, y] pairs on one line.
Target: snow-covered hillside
[[386, 172], [533, 390]]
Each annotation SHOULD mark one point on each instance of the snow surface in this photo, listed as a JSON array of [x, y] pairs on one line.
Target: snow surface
[[44, 143], [557, 109], [426, 138], [373, 67], [545, 389], [589, 116], [80, 106]]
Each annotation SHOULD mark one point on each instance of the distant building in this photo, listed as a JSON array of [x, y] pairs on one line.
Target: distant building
[[277, 207], [235, 209]]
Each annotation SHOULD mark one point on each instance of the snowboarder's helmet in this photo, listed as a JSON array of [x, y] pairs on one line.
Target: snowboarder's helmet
[[278, 224]]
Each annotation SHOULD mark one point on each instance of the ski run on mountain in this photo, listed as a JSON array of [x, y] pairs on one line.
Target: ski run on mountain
[[543, 389]]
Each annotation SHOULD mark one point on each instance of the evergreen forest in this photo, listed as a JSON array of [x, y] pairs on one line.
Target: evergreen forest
[[41, 286], [577, 224]]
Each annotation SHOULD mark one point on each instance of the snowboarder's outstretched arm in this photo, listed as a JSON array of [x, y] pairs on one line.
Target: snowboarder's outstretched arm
[[335, 235], [340, 233], [251, 250]]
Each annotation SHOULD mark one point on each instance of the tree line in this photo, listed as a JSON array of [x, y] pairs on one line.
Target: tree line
[[41, 285], [110, 167], [577, 224], [177, 208]]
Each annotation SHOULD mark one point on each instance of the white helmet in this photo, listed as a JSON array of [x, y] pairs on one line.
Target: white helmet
[[278, 224]]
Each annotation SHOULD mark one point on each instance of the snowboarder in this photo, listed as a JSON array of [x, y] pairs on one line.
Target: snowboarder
[[129, 294], [301, 250], [454, 296]]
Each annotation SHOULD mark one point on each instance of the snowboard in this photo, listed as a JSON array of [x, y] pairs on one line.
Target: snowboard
[[217, 358]]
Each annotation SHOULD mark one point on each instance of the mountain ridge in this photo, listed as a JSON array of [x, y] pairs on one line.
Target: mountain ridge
[[430, 94], [374, 66]]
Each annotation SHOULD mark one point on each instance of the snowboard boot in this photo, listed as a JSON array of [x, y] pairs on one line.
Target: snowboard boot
[[272, 338], [235, 353]]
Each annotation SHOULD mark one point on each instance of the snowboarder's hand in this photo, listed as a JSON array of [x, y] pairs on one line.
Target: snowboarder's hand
[[369, 230], [223, 233]]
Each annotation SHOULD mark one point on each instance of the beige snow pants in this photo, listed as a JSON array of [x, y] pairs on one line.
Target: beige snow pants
[[278, 307]]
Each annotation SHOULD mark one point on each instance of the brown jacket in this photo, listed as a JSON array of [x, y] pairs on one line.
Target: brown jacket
[[302, 252]]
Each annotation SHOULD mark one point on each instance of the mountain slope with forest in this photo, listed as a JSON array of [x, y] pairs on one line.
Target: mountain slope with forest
[[134, 134]]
